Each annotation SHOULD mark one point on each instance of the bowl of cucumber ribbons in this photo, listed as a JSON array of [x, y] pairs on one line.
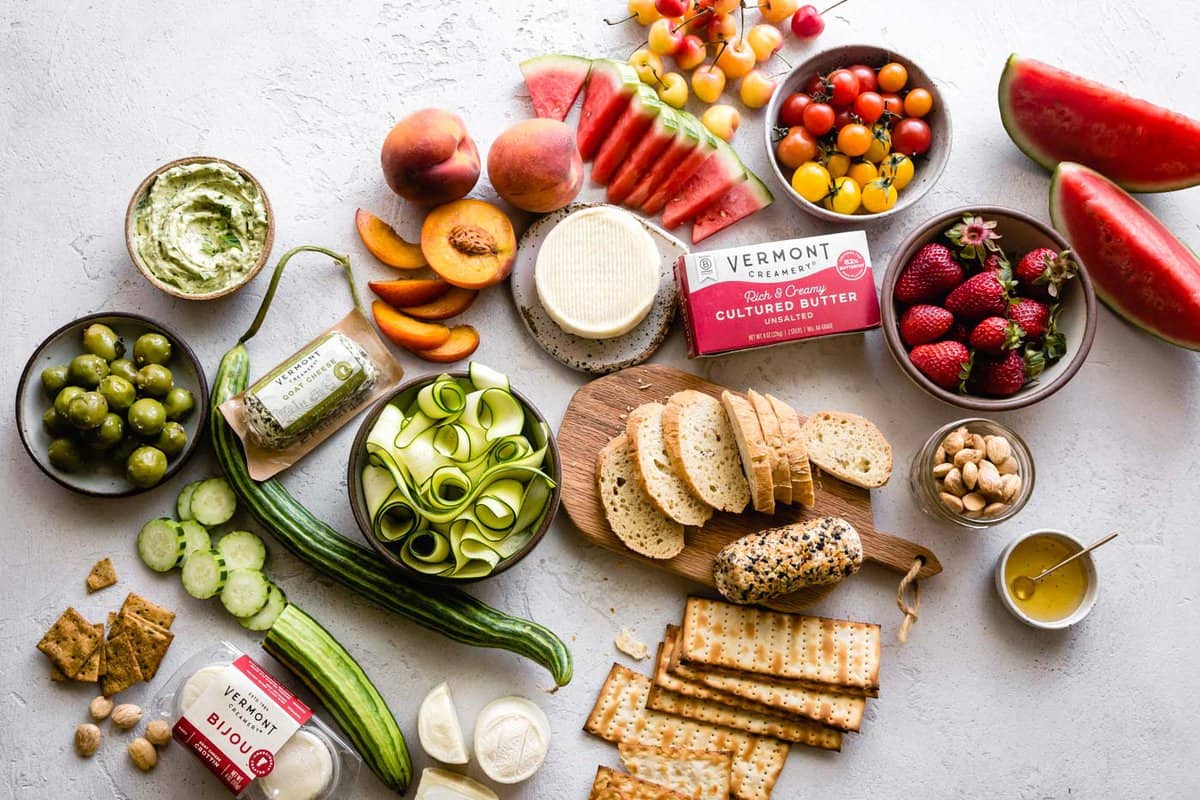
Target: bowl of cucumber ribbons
[[454, 477]]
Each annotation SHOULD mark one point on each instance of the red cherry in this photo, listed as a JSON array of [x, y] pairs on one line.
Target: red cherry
[[791, 111], [671, 8], [818, 118], [807, 22], [867, 82]]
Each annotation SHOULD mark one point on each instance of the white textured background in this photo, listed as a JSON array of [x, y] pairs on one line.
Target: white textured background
[[95, 95]]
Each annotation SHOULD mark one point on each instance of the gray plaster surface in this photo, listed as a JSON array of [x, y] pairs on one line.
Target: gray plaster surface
[[95, 95]]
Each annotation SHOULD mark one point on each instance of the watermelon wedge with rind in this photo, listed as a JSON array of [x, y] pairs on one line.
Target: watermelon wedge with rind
[[643, 108], [739, 202], [654, 143], [554, 82], [1053, 115], [716, 175], [610, 84], [683, 173], [686, 141], [1138, 268]]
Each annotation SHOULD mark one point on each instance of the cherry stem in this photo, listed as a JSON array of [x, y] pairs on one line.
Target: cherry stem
[[742, 23], [692, 18], [608, 21], [831, 8]]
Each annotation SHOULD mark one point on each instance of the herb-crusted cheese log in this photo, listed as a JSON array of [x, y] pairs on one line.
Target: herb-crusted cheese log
[[778, 561]]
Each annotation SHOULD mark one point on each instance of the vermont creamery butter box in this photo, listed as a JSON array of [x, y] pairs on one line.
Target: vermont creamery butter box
[[764, 294]]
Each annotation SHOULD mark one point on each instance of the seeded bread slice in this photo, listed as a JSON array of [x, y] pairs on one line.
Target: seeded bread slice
[[849, 447], [634, 518], [801, 471], [756, 459], [773, 435], [669, 492], [702, 449]]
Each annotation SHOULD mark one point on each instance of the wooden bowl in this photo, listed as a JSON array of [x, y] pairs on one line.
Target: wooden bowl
[[174, 291], [1020, 233], [929, 166]]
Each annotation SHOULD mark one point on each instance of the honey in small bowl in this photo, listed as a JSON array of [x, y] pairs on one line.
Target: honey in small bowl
[[1060, 593]]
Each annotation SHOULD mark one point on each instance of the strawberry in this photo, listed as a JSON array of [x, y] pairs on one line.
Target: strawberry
[[948, 364], [959, 333], [931, 273], [982, 295], [994, 335], [1041, 272], [1031, 315], [995, 263], [924, 323], [1006, 376]]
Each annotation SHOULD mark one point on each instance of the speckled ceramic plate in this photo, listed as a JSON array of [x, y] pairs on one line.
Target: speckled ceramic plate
[[597, 356]]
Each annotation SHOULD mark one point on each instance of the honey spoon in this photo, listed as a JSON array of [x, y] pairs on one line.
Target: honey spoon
[[1024, 586]]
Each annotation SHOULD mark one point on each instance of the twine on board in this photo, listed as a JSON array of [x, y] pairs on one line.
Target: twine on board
[[910, 611]]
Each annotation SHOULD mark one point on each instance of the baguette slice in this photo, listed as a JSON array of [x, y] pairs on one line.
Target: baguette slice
[[631, 514], [798, 466], [849, 447], [773, 435], [703, 451], [669, 492], [756, 460]]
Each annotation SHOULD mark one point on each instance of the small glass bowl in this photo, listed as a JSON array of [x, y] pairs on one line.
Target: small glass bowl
[[925, 485]]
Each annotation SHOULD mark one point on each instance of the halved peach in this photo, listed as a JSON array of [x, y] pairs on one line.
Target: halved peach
[[403, 292], [469, 243], [462, 342], [451, 304], [385, 244], [407, 332]]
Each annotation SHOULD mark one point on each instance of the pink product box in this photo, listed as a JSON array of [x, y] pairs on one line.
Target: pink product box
[[766, 294]]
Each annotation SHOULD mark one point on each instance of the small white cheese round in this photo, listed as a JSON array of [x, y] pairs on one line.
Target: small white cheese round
[[438, 729], [512, 737], [597, 273], [303, 769], [197, 683]]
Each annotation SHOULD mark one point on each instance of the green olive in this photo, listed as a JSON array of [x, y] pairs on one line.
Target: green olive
[[119, 392], [123, 449], [145, 466], [65, 454], [101, 340], [63, 401], [146, 417], [107, 434], [123, 368], [54, 380], [87, 370], [151, 348], [179, 403], [55, 425], [172, 440], [155, 379], [87, 410]]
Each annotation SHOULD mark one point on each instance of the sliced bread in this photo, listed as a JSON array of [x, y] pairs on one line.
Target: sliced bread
[[849, 447], [773, 435], [668, 491], [703, 451], [756, 459], [631, 514], [803, 491]]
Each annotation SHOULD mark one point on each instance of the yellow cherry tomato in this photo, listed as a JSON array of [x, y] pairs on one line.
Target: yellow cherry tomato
[[854, 139], [879, 195], [881, 144], [844, 197], [838, 164], [892, 77], [897, 168], [811, 181], [862, 172], [918, 103]]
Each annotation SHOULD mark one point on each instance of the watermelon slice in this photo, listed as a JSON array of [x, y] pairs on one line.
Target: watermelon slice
[[644, 107], [656, 141], [685, 142], [742, 200], [1139, 269], [554, 81], [610, 85], [686, 169], [1053, 116], [715, 176]]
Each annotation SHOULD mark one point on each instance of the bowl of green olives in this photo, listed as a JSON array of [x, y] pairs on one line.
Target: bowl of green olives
[[111, 404]]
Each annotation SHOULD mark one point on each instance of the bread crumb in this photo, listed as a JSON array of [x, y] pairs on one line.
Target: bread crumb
[[631, 646]]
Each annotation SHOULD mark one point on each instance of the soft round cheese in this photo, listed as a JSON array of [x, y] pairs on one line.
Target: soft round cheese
[[197, 683], [303, 769], [597, 273], [512, 737]]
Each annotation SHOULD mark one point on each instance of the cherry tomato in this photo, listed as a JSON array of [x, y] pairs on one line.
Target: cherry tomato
[[918, 103], [811, 181], [796, 148], [818, 118], [893, 104], [892, 77], [911, 137], [843, 87], [866, 77], [869, 107], [841, 118], [815, 86], [791, 111], [854, 139]]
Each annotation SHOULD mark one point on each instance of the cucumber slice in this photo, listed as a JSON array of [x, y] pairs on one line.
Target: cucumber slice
[[245, 593], [160, 544], [196, 536], [213, 502], [183, 504], [204, 574], [263, 620], [242, 550], [483, 377]]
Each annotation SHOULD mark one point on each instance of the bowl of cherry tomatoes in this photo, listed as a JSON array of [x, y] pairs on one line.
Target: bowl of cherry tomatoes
[[857, 133]]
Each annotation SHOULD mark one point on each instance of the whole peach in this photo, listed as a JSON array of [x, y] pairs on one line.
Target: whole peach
[[536, 166], [428, 157]]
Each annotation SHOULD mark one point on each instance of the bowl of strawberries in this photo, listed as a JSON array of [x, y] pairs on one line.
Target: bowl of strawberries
[[986, 308]]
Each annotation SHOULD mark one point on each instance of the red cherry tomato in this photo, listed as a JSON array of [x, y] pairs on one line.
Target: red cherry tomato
[[791, 111], [869, 107], [893, 104], [844, 87], [841, 118], [815, 86], [911, 137], [796, 148], [866, 77], [818, 118]]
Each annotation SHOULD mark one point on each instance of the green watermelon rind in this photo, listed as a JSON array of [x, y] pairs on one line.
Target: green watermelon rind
[[1058, 219], [532, 68]]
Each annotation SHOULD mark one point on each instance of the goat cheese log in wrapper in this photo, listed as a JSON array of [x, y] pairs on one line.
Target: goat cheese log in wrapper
[[778, 561]]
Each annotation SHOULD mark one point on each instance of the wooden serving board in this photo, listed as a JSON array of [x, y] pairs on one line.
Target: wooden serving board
[[597, 413]]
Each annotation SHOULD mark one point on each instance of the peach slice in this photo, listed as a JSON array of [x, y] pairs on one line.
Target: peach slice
[[451, 304], [469, 243], [409, 291], [385, 244], [462, 342], [409, 333]]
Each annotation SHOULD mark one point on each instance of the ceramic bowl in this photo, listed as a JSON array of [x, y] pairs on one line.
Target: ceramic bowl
[[101, 478], [1089, 597], [402, 397], [174, 291], [929, 166], [1019, 233]]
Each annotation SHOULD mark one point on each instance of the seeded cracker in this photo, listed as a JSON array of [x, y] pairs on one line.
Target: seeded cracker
[[147, 610], [103, 575], [70, 642], [90, 671], [150, 643], [122, 670]]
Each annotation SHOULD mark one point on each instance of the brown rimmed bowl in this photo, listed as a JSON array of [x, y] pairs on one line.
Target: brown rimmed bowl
[[929, 166], [141, 191], [1019, 233], [101, 478], [402, 397]]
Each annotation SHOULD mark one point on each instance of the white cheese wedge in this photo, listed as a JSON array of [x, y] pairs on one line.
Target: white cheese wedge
[[597, 273], [303, 769], [438, 729], [440, 784], [512, 737]]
